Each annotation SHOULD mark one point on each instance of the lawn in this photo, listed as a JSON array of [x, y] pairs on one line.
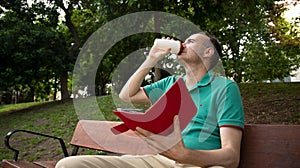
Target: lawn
[[54, 118], [263, 103], [17, 107]]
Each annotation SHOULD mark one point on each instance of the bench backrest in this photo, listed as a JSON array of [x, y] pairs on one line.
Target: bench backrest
[[271, 146], [262, 145]]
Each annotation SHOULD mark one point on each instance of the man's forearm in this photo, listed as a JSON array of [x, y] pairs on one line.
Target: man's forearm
[[133, 85], [221, 157], [227, 156]]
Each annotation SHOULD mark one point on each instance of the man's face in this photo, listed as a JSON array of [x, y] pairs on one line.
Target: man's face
[[194, 48]]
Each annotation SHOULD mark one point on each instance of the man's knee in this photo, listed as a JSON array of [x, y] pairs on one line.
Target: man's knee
[[68, 162], [85, 161]]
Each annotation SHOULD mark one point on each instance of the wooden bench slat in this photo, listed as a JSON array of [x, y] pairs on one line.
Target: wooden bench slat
[[97, 135], [19, 164], [271, 146], [46, 164]]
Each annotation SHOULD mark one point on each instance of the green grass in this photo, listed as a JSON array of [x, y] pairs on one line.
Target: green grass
[[54, 118], [264, 103], [20, 106], [271, 103]]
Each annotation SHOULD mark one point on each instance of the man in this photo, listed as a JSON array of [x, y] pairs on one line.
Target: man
[[212, 138]]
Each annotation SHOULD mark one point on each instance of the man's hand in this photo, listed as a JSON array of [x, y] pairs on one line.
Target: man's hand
[[158, 53], [170, 146]]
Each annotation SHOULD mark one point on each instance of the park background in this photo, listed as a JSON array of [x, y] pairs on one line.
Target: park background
[[41, 39]]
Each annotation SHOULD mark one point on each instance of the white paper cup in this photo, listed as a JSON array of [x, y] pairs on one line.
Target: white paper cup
[[176, 46]]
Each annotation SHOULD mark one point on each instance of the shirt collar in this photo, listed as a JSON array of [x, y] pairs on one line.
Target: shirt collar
[[204, 81]]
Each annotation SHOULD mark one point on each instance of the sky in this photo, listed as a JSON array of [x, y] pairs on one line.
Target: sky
[[293, 11]]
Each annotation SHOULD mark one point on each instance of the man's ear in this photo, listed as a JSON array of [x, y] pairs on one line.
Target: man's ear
[[209, 52]]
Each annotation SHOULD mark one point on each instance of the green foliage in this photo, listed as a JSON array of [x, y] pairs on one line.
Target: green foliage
[[274, 52], [39, 50], [29, 46], [250, 53]]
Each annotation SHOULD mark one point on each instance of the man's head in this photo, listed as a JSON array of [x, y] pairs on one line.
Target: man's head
[[201, 48]]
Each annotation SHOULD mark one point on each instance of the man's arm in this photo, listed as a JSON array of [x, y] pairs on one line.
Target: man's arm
[[132, 91], [227, 156]]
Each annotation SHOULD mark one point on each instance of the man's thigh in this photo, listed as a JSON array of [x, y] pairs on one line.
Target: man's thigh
[[126, 161], [178, 165]]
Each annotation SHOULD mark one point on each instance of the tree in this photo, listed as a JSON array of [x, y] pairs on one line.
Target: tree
[[39, 50], [275, 54], [30, 43], [251, 47]]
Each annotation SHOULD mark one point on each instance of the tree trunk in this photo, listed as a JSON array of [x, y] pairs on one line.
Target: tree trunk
[[157, 74], [55, 89], [32, 93], [64, 86], [74, 48], [157, 70]]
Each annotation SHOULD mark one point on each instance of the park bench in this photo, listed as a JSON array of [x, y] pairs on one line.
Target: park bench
[[263, 146]]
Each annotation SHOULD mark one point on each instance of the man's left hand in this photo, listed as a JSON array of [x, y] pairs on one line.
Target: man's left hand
[[171, 145]]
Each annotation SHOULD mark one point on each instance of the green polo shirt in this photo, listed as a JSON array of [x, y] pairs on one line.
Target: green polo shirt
[[219, 104]]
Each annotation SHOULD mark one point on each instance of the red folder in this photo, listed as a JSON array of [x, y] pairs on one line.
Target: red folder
[[159, 117]]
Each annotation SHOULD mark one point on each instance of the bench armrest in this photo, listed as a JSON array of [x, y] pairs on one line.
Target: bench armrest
[[16, 152]]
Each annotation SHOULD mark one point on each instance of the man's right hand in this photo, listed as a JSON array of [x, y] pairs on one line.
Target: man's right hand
[[158, 53]]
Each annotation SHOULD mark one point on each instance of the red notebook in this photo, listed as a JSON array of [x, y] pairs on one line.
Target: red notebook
[[159, 117]]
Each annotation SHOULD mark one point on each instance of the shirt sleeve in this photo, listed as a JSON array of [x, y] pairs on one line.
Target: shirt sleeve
[[155, 90], [231, 110]]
